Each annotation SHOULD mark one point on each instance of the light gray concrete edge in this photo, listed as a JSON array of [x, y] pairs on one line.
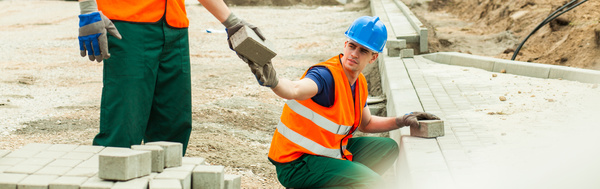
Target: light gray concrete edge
[[537, 70], [416, 24]]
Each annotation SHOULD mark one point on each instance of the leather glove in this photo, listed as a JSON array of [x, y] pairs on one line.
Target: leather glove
[[93, 26], [265, 75], [412, 119], [232, 25]]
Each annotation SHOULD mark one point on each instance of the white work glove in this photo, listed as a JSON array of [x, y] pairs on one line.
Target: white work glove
[[93, 26]]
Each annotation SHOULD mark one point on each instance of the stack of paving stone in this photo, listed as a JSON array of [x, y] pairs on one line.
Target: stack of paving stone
[[155, 165]]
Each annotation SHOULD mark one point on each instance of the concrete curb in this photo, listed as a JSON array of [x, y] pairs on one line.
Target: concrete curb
[[516, 67], [416, 24]]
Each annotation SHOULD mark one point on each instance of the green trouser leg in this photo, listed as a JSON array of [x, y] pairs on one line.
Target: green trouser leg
[[146, 94], [372, 156]]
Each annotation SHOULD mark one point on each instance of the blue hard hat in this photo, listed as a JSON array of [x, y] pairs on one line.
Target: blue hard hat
[[368, 31]]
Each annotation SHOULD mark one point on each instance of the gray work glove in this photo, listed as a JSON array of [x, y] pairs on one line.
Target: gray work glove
[[232, 25], [412, 119], [265, 75], [93, 26]]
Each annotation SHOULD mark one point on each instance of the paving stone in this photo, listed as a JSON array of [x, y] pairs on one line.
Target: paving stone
[[11, 160], [193, 160], [92, 149], [184, 167], [63, 147], [65, 163], [208, 176], [82, 172], [78, 155], [138, 183], [407, 53], [158, 156], [10, 180], [22, 153], [184, 177], [247, 43], [173, 152], [23, 169], [35, 147], [50, 154], [53, 170], [428, 129], [36, 182], [37, 161], [165, 184], [97, 183], [4, 153], [124, 164], [67, 182], [93, 162], [232, 181], [4, 167]]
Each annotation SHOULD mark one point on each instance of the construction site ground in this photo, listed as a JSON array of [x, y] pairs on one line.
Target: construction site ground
[[49, 94]]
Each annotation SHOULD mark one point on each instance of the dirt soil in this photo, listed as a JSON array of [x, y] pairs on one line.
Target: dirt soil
[[49, 94], [496, 27]]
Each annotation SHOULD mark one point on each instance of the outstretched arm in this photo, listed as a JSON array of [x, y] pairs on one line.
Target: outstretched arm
[[217, 8], [297, 90], [376, 124]]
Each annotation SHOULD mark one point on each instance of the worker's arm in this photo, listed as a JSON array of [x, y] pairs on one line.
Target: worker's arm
[[297, 90], [377, 124], [217, 8]]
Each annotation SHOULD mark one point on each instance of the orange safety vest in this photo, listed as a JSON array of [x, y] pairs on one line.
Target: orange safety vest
[[306, 127], [146, 11]]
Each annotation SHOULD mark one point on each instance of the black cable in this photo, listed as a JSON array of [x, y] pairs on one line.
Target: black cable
[[546, 21]]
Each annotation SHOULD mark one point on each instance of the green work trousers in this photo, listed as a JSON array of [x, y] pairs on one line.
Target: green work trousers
[[146, 94], [372, 156]]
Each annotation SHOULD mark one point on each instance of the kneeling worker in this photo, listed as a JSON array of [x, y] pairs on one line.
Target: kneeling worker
[[313, 145]]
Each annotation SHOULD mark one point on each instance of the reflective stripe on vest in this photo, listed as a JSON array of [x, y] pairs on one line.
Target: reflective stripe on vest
[[307, 143], [318, 119]]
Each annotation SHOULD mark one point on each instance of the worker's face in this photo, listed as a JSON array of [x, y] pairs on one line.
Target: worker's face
[[356, 57]]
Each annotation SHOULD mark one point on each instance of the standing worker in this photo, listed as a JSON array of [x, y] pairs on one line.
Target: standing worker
[[313, 145], [146, 94]]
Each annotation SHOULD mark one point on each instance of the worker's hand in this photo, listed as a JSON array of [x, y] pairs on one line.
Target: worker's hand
[[265, 75], [232, 25], [93, 26], [412, 119]]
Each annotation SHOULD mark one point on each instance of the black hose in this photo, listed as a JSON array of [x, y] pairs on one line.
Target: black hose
[[546, 21]]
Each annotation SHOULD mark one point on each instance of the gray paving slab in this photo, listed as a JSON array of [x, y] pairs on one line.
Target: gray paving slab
[[67, 182], [97, 183], [208, 176], [138, 183], [193, 160], [173, 152], [53, 170], [63, 147], [86, 148], [184, 177], [10, 180], [232, 181], [36, 181], [164, 184], [157, 153]]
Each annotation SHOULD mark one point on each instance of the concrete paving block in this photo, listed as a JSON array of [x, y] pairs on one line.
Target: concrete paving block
[[23, 169], [63, 147], [482, 62], [50, 154], [184, 167], [82, 172], [423, 43], [92, 149], [574, 74], [22, 153], [193, 160], [157, 153], [36, 147], [522, 68], [4, 167], [208, 176], [4, 153], [395, 44], [53, 170], [10, 180], [184, 178], [93, 162], [137, 183], [78, 155], [164, 184], [124, 164], [11, 160], [428, 129], [173, 152], [393, 52], [36, 182], [37, 161], [65, 162], [407, 53], [247, 43], [67, 182], [232, 181], [97, 183]]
